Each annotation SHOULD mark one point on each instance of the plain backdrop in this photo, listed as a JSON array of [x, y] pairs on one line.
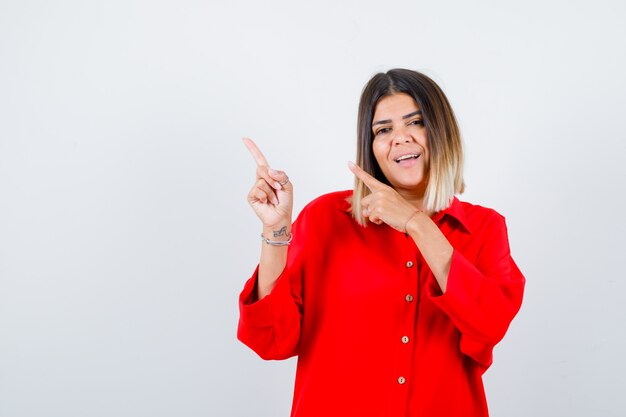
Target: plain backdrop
[[125, 236]]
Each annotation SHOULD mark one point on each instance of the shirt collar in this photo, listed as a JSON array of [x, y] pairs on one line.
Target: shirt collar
[[456, 211]]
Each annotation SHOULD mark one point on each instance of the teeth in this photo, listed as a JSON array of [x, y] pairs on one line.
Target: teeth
[[405, 157]]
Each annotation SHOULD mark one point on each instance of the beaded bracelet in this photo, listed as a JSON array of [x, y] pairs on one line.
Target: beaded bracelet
[[277, 242]]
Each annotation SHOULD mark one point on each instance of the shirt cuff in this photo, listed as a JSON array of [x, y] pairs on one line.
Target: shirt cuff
[[253, 312], [462, 287]]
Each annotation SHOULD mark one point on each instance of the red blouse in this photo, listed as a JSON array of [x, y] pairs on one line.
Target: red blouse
[[373, 333]]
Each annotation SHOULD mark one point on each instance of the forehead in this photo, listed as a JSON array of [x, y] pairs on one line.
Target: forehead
[[394, 106]]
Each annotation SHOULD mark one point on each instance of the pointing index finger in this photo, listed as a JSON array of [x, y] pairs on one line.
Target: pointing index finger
[[371, 182], [256, 152]]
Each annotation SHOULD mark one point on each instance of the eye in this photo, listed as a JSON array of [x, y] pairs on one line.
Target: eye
[[382, 131], [419, 122]]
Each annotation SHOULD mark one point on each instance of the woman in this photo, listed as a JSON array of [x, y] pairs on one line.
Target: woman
[[392, 295]]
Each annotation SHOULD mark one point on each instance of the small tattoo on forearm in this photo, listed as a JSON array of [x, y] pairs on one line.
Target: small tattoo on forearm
[[281, 232]]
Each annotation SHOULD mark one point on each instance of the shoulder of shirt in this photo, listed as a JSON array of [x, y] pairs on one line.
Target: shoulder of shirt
[[337, 200], [477, 215]]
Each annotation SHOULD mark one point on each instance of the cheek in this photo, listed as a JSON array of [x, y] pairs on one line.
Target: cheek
[[423, 140], [424, 145], [379, 152]]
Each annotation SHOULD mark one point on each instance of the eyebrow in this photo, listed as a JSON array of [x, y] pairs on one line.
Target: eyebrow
[[406, 116]]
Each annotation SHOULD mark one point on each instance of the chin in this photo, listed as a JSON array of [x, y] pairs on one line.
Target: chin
[[409, 180], [409, 184]]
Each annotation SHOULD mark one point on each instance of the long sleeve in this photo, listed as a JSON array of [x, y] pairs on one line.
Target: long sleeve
[[271, 326], [483, 297]]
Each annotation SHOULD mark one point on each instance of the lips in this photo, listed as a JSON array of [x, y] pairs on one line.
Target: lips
[[406, 157]]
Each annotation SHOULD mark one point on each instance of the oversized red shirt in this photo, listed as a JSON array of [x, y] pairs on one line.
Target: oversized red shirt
[[374, 335]]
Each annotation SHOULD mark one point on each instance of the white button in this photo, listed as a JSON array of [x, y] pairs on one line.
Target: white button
[[409, 264], [405, 339], [408, 298], [401, 380]]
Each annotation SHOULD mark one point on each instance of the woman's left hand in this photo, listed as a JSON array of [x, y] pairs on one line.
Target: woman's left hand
[[384, 204]]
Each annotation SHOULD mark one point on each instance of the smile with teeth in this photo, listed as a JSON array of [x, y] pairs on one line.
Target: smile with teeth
[[405, 157]]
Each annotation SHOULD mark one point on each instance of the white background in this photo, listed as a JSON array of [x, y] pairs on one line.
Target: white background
[[125, 236]]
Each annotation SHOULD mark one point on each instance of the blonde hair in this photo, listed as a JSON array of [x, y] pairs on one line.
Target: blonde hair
[[445, 168]]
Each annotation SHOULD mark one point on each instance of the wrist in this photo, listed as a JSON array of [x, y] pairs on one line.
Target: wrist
[[412, 224], [278, 232]]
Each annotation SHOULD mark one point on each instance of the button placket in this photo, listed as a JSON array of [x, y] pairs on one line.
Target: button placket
[[408, 268]]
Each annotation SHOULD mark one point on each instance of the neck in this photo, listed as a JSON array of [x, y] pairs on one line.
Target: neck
[[415, 200], [415, 197]]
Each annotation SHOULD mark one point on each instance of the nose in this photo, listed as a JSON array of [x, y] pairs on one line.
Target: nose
[[401, 137]]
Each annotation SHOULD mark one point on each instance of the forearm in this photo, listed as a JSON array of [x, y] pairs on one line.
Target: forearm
[[273, 258], [433, 245]]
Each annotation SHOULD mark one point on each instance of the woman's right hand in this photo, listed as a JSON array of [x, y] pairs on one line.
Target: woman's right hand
[[271, 197]]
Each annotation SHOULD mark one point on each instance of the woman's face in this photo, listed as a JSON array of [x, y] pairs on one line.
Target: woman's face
[[400, 143]]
